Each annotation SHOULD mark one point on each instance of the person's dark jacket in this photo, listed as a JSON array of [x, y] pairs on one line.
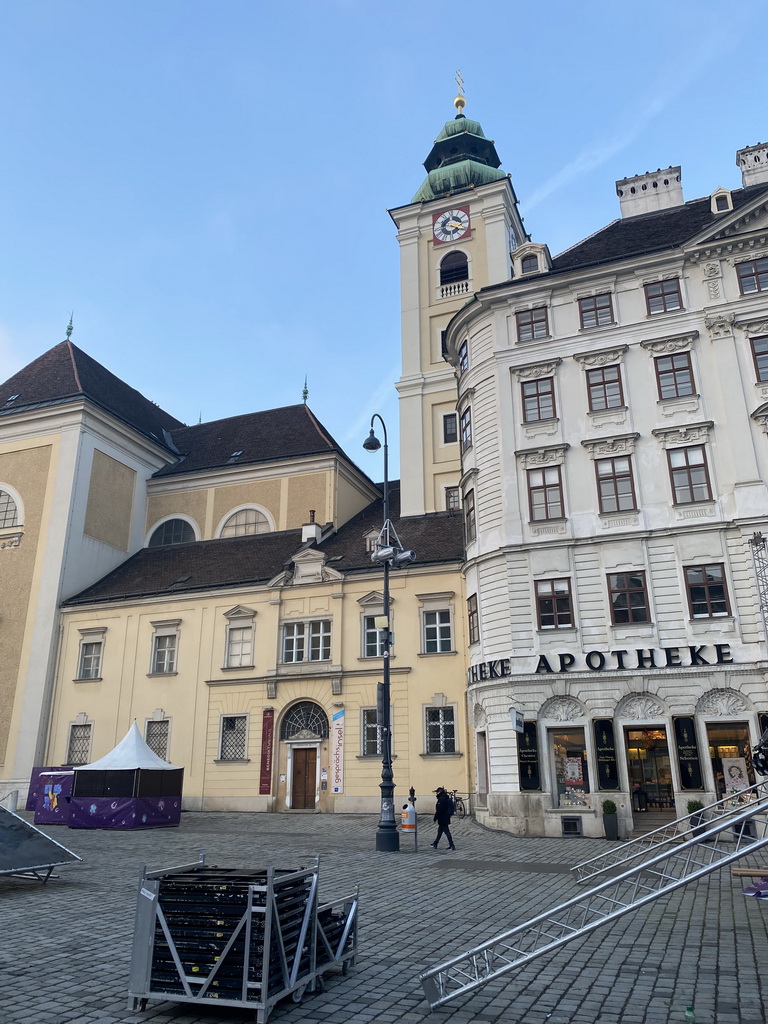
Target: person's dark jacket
[[442, 813]]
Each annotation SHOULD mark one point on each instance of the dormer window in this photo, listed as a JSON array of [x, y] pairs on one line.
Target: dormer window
[[721, 201], [530, 264]]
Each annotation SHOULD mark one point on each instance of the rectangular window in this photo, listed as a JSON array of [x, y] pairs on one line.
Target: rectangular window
[[707, 591], [79, 746], [596, 311], [532, 324], [604, 388], [760, 355], [157, 734], [234, 741], [628, 597], [538, 399], [689, 475], [615, 486], [239, 646], [553, 604], [473, 617], [463, 357], [371, 733], [568, 750], [90, 659], [753, 276], [307, 641], [663, 296], [674, 375], [164, 653], [470, 526], [466, 429], [545, 494], [450, 432], [452, 499], [373, 638], [441, 731], [437, 632]]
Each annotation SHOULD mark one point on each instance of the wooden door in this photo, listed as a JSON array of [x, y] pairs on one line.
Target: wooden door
[[304, 778]]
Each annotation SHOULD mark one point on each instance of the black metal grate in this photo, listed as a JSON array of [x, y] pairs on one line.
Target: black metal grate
[[8, 510], [306, 720], [233, 738], [79, 744], [157, 736], [571, 826]]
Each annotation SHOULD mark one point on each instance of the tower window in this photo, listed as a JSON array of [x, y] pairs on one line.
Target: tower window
[[529, 264], [454, 267]]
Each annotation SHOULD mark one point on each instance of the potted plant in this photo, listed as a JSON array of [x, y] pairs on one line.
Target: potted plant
[[697, 826], [610, 820]]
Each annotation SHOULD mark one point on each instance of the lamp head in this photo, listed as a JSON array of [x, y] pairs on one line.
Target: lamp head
[[371, 443]]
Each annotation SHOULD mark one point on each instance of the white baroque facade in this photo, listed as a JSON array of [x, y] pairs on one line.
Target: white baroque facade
[[614, 459]]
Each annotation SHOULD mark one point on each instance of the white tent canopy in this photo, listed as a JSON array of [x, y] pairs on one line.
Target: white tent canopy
[[130, 753]]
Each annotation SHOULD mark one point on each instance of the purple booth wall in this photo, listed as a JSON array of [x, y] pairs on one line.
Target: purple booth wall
[[124, 812], [36, 785], [52, 806]]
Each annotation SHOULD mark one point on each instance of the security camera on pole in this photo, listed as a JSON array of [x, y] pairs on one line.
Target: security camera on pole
[[388, 553]]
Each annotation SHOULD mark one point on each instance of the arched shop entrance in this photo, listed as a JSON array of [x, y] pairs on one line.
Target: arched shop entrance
[[650, 769], [303, 763]]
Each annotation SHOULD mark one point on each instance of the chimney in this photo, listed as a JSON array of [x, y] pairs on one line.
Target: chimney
[[311, 530], [753, 161], [646, 193]]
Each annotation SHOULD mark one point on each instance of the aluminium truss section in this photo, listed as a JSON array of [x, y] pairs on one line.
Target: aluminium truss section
[[644, 882], [245, 938], [713, 816]]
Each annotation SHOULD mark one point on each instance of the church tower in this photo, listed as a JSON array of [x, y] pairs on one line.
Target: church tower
[[456, 236]]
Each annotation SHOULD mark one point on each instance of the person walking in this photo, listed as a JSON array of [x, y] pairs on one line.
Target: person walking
[[443, 812]]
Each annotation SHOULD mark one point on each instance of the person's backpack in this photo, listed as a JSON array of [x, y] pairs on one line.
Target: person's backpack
[[451, 805]]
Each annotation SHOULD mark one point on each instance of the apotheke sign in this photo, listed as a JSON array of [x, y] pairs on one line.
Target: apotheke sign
[[638, 659]]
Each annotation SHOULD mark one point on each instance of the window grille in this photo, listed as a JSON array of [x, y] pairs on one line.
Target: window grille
[[305, 720], [157, 734], [9, 514], [233, 738], [172, 531], [441, 731], [79, 744]]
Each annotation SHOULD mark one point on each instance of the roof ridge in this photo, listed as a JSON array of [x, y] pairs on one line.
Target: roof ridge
[[70, 349]]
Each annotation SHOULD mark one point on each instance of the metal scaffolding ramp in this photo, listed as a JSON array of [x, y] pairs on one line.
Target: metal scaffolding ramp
[[716, 816], [660, 867]]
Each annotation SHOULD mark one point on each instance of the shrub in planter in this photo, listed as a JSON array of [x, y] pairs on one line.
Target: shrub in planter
[[697, 826], [610, 820]]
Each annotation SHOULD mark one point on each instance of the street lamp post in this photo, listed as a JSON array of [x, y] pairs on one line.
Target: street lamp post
[[388, 553]]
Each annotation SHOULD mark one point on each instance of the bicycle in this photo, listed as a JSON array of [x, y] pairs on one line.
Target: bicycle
[[459, 808]]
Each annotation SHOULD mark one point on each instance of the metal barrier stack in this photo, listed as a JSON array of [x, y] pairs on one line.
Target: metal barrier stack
[[246, 938]]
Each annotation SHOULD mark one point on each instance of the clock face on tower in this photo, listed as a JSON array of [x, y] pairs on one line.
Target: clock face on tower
[[451, 225]]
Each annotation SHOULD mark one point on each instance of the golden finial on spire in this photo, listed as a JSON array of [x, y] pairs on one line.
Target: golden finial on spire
[[460, 102]]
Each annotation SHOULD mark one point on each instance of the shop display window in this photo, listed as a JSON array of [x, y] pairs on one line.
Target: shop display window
[[730, 752], [569, 755]]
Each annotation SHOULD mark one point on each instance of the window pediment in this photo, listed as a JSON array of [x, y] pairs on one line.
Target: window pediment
[[240, 612]]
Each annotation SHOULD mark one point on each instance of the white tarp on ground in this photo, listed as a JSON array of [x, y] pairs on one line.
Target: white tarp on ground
[[131, 752]]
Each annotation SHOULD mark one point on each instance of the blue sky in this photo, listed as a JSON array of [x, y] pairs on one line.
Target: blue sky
[[205, 182]]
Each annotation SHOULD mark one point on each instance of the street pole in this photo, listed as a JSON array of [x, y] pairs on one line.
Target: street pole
[[387, 836]]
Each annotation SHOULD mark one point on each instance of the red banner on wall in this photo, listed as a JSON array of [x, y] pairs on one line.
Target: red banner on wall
[[267, 736]]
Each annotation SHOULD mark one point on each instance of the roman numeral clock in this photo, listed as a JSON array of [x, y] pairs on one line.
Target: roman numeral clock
[[450, 225]]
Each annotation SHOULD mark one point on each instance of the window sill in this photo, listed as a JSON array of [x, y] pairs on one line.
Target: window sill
[[235, 668], [618, 512], [646, 624], [730, 619], [437, 654], [546, 522], [456, 755], [598, 327], [372, 757], [671, 399], [664, 312], [543, 419], [608, 410], [232, 760], [707, 503], [160, 675], [557, 630], [88, 679]]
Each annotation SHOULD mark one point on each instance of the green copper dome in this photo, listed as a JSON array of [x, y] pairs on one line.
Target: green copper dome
[[461, 158]]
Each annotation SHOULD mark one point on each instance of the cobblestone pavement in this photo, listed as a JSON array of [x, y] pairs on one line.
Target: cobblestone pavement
[[65, 947]]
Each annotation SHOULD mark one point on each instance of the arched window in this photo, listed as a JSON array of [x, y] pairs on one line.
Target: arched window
[[244, 523], [530, 264], [172, 531], [305, 721], [9, 513], [454, 267]]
